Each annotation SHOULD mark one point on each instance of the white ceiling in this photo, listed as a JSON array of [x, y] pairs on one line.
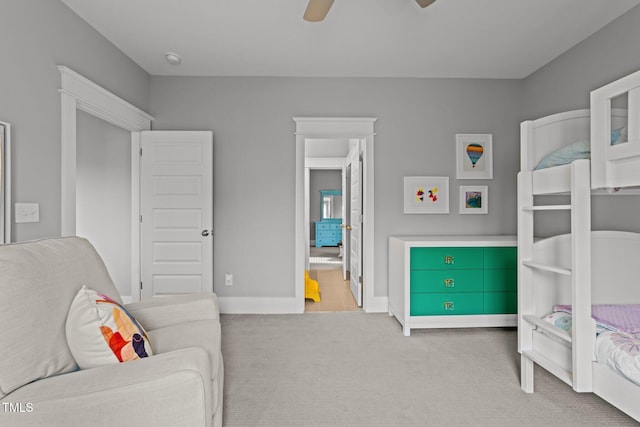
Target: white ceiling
[[359, 38]]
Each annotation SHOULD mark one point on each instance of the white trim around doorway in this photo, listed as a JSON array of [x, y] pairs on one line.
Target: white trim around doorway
[[80, 93], [337, 128]]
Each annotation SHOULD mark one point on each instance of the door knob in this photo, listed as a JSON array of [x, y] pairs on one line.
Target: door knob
[[348, 227], [205, 233]]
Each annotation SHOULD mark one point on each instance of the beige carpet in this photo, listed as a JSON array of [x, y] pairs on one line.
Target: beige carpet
[[357, 369]]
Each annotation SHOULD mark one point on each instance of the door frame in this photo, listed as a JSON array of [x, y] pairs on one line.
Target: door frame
[[5, 185], [79, 93], [335, 128]]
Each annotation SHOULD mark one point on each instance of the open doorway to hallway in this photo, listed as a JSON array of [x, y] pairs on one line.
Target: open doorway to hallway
[[325, 266], [315, 137], [328, 202]]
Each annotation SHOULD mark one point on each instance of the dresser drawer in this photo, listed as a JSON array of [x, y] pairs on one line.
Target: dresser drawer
[[500, 280], [327, 226], [443, 304], [446, 258], [500, 257], [328, 234], [500, 302], [446, 281]]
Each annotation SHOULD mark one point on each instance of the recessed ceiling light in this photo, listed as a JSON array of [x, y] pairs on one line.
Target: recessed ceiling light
[[172, 58]]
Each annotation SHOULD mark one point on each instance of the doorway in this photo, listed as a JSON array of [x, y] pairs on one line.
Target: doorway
[[80, 94], [332, 129], [327, 262]]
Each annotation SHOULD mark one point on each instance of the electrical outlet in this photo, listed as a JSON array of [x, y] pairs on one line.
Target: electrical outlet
[[228, 279], [27, 212]]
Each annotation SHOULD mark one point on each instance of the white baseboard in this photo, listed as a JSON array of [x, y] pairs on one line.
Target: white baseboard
[[127, 299], [378, 305], [251, 305], [266, 305]]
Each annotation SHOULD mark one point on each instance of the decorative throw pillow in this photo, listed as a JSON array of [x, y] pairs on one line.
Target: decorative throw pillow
[[100, 331]]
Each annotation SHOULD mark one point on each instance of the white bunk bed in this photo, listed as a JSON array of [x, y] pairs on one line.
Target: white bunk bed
[[582, 267]]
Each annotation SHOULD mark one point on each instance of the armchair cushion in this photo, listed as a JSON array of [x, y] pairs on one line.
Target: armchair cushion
[[170, 389], [100, 331], [174, 310], [205, 334]]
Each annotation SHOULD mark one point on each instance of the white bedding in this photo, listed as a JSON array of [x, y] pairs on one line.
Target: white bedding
[[621, 352], [618, 350]]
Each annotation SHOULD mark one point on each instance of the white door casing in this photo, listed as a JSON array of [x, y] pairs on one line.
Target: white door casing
[[176, 205], [5, 183], [336, 128], [345, 212], [79, 93], [355, 222]]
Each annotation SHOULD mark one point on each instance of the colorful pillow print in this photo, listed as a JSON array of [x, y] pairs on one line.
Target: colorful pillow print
[[100, 331]]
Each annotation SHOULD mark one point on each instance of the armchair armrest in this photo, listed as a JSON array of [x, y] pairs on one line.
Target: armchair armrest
[[169, 389], [176, 309]]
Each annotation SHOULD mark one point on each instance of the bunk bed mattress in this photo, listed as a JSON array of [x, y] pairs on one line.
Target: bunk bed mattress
[[618, 335], [615, 317]]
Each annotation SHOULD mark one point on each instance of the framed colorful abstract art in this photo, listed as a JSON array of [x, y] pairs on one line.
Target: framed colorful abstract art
[[474, 199], [426, 194], [474, 156]]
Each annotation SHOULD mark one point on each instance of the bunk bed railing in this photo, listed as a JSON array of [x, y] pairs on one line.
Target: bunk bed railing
[[615, 165]]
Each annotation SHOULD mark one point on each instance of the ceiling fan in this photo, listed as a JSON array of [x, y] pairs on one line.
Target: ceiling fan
[[318, 9]]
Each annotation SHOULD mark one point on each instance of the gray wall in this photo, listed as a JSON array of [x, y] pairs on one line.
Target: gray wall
[[254, 154], [35, 37], [103, 194], [253, 134], [565, 84], [320, 180]]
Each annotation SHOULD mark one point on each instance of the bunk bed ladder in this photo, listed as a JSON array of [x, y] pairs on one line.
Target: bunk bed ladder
[[580, 377], [583, 325], [525, 278]]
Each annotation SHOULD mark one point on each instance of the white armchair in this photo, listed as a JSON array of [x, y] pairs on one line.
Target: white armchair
[[40, 383]]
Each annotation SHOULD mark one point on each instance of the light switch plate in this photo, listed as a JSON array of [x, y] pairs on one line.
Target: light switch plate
[[27, 212]]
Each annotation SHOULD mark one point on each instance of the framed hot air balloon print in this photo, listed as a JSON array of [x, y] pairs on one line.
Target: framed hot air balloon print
[[426, 194], [474, 199], [474, 156]]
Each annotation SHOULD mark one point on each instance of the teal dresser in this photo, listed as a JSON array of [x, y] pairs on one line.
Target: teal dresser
[[453, 281], [328, 232]]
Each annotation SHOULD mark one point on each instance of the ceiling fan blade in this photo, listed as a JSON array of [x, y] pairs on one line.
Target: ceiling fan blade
[[317, 10], [424, 3]]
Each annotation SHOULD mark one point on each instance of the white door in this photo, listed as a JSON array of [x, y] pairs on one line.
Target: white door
[[346, 212], [355, 223], [176, 206]]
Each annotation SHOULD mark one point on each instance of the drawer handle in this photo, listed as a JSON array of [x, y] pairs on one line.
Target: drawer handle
[[449, 259], [448, 305], [449, 283]]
